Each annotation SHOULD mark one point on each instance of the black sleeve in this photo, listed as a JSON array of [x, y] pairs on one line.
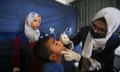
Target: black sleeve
[[77, 38], [81, 35], [106, 57]]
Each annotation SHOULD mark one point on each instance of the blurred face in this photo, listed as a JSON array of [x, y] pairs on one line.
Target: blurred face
[[98, 29], [55, 46], [36, 23]]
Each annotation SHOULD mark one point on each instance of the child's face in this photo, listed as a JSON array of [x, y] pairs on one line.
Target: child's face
[[55, 46], [36, 23]]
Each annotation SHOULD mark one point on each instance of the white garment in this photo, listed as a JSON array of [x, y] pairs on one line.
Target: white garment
[[117, 51], [32, 35], [112, 17], [65, 2]]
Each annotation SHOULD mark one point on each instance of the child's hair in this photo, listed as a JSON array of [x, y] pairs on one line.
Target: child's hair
[[40, 50]]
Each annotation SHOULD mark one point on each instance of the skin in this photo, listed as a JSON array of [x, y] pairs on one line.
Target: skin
[[55, 47], [99, 27], [36, 23]]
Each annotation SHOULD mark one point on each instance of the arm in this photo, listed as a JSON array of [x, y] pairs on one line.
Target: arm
[[16, 55], [77, 38], [66, 41], [103, 61], [107, 56], [81, 36], [85, 64]]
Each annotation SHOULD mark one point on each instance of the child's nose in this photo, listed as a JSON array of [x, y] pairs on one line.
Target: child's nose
[[59, 42]]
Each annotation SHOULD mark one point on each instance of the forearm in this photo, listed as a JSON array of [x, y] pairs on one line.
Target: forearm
[[84, 64], [16, 53], [76, 40], [16, 56]]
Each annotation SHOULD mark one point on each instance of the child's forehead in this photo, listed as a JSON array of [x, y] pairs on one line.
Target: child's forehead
[[50, 42]]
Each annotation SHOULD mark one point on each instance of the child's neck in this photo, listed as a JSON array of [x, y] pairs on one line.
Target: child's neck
[[59, 60]]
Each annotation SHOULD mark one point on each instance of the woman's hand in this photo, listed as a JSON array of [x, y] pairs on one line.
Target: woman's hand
[[64, 38], [66, 41], [16, 69], [95, 65], [71, 55]]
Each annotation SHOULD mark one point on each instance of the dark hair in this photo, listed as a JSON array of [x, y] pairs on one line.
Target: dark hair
[[102, 19], [40, 50]]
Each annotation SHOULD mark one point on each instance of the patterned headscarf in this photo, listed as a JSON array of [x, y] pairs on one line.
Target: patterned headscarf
[[31, 34]]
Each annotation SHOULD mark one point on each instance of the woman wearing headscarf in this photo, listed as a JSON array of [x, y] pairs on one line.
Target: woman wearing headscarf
[[99, 41], [23, 59]]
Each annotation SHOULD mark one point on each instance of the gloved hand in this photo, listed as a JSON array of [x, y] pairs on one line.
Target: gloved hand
[[66, 41], [71, 55], [95, 65], [16, 69]]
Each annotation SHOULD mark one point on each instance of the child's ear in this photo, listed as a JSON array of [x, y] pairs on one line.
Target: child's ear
[[52, 57]]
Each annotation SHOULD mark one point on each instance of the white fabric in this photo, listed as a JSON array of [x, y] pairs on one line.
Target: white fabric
[[87, 50], [117, 51], [65, 2], [32, 35], [112, 17]]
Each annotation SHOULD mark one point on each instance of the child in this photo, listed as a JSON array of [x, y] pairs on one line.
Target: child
[[50, 51]]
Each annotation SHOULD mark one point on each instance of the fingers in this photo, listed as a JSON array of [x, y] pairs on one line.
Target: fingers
[[67, 52], [70, 55], [67, 55], [64, 38], [63, 52]]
